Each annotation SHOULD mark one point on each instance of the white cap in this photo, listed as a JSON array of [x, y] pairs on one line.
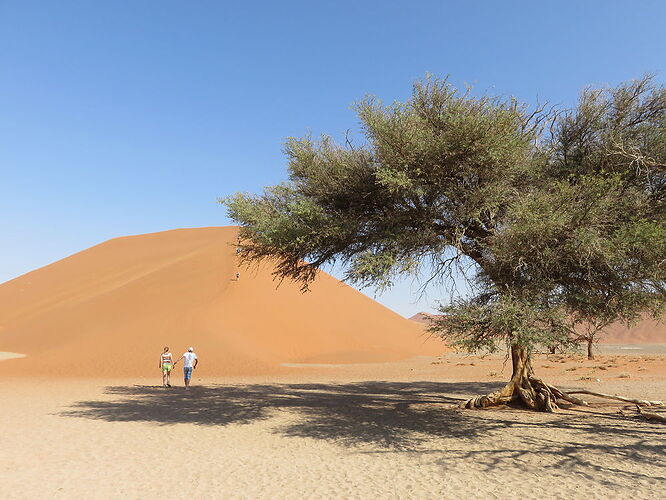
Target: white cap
[[190, 349]]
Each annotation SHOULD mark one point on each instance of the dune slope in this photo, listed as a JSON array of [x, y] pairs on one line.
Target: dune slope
[[108, 311]]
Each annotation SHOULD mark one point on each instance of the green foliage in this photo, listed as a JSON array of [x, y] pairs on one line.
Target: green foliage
[[562, 215], [480, 324]]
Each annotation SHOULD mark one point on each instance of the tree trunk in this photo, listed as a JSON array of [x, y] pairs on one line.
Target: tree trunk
[[535, 393], [523, 386], [590, 355]]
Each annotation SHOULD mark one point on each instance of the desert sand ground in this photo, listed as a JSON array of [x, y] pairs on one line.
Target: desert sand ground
[[387, 430]]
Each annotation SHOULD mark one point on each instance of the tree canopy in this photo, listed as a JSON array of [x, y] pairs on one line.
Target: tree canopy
[[560, 215]]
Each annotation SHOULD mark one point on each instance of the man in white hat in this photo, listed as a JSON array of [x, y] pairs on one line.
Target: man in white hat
[[190, 362]]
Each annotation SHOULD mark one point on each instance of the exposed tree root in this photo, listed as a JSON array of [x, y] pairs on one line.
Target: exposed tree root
[[524, 386], [641, 402], [567, 396], [650, 415], [532, 392], [536, 394]]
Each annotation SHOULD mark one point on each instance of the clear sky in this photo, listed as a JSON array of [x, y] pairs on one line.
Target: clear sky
[[127, 117]]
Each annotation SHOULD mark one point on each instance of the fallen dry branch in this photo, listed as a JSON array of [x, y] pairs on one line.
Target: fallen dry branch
[[650, 415], [641, 402]]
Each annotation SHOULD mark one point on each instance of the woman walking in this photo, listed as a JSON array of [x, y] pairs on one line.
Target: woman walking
[[166, 364]]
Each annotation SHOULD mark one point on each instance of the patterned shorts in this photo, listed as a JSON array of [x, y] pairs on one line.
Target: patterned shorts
[[187, 371]]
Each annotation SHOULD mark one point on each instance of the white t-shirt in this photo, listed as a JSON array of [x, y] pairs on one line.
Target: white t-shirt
[[188, 359]]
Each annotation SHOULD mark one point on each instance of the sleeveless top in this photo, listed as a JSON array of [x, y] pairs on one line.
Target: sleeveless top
[[166, 358]]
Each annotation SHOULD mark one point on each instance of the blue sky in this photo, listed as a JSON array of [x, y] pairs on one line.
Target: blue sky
[[127, 117]]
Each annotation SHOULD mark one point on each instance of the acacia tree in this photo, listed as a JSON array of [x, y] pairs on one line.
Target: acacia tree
[[589, 335], [552, 211], [593, 313]]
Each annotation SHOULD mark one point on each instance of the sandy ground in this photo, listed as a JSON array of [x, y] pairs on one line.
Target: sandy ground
[[356, 431]]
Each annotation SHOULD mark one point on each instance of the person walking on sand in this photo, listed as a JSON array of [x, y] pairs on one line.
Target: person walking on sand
[[166, 364], [190, 362]]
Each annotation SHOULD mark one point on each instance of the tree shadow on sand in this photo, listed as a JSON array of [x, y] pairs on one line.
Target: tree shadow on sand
[[414, 417], [393, 414]]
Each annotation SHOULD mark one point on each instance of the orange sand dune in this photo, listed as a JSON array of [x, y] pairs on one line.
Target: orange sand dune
[[109, 310], [647, 331]]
